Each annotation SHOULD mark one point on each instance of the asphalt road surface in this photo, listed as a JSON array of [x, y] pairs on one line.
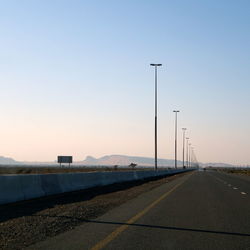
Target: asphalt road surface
[[201, 210]]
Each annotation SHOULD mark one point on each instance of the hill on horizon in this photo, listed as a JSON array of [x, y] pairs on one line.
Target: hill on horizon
[[125, 160], [7, 160], [111, 160]]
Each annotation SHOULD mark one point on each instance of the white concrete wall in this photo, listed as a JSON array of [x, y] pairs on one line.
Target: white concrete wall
[[15, 188]]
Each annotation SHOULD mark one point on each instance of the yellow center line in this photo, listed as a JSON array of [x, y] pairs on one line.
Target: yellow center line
[[101, 244]]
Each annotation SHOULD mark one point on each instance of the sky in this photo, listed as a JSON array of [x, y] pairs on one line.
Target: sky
[[75, 78]]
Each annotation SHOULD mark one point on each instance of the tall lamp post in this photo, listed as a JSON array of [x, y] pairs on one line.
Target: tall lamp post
[[176, 112], [192, 156], [189, 160], [155, 65], [183, 150], [187, 152]]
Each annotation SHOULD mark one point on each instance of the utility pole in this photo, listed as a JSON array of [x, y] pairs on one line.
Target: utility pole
[[155, 65], [183, 149], [187, 151], [189, 154], [176, 112]]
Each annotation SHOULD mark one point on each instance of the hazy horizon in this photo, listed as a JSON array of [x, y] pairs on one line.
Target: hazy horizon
[[120, 155], [76, 80]]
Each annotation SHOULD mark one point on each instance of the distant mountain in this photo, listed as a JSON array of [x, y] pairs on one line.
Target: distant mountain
[[124, 160], [6, 160], [111, 160], [217, 164]]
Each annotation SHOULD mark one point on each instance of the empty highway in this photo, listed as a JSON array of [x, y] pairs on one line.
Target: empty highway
[[201, 210]]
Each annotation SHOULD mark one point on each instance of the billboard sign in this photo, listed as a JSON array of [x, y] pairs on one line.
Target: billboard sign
[[64, 159]]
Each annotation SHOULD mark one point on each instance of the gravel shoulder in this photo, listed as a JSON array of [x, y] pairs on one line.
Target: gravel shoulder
[[25, 223]]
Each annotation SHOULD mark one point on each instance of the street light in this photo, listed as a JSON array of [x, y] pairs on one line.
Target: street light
[[192, 156], [183, 151], [176, 112], [189, 160], [187, 152], [155, 65]]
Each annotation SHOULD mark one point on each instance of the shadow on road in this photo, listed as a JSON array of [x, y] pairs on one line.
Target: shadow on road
[[151, 226], [171, 228]]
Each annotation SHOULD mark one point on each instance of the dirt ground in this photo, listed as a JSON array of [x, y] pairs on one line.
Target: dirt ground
[[237, 171], [53, 169], [25, 223]]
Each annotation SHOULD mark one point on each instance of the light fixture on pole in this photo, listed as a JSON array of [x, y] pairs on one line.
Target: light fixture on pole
[[175, 161], [155, 65], [183, 150]]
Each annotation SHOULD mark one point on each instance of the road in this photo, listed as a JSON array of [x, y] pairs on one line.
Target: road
[[201, 210]]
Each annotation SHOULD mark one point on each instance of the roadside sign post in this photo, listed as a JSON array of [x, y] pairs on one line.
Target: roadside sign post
[[64, 159]]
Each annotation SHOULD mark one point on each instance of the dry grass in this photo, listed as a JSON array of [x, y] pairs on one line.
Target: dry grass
[[239, 171], [53, 169]]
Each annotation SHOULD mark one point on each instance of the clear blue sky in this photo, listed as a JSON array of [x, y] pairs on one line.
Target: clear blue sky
[[75, 78]]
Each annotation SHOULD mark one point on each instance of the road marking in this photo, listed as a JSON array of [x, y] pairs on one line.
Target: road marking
[[243, 193], [101, 244]]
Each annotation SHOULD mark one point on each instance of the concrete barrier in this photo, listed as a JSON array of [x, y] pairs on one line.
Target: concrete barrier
[[66, 182], [31, 186], [50, 184], [10, 189], [88, 180], [15, 188]]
